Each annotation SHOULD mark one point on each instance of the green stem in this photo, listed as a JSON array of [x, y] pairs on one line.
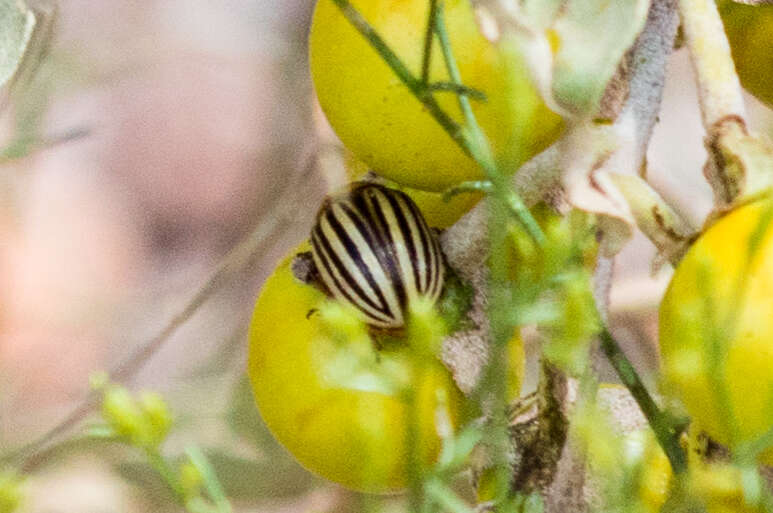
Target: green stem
[[484, 186], [457, 89], [427, 57], [445, 497], [471, 138], [418, 89], [456, 78], [211, 481], [166, 472], [666, 432], [480, 148]]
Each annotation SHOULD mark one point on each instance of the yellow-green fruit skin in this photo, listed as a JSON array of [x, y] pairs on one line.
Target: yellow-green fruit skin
[[354, 435], [377, 117], [702, 299], [438, 212], [749, 30]]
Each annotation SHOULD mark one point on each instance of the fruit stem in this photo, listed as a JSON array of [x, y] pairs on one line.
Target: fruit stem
[[167, 473], [428, 35], [718, 86], [666, 430]]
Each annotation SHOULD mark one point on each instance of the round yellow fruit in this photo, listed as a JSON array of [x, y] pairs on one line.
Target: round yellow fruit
[[378, 118], [749, 30], [716, 328], [351, 431], [716, 486]]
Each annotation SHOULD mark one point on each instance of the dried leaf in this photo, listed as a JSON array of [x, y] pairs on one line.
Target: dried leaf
[[591, 37], [740, 165], [670, 233], [17, 23], [43, 15], [585, 152]]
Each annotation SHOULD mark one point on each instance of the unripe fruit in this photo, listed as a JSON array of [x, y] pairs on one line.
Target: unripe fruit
[[379, 119], [352, 432], [716, 328], [749, 30]]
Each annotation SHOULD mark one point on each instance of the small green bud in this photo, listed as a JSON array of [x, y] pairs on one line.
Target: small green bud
[[124, 415], [190, 479], [10, 492], [156, 414]]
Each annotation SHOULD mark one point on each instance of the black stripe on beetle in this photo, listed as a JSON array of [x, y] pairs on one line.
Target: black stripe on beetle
[[373, 250]]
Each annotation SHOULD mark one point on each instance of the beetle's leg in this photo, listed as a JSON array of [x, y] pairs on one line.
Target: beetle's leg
[[305, 270]]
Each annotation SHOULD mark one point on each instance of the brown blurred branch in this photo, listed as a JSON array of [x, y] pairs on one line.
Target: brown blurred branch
[[241, 257], [24, 146]]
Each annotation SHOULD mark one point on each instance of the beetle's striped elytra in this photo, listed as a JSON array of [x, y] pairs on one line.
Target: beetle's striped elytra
[[373, 250]]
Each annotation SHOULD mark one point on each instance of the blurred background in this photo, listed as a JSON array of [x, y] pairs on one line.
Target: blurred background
[[156, 135]]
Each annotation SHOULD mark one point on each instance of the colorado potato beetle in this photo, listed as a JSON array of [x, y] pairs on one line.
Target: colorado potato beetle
[[373, 250]]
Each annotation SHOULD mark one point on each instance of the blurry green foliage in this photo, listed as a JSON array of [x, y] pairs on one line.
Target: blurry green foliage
[[273, 473], [10, 492]]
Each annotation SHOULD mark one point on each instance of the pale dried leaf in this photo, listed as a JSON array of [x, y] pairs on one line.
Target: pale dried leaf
[[585, 151], [17, 23], [573, 47], [670, 233], [592, 37], [740, 164]]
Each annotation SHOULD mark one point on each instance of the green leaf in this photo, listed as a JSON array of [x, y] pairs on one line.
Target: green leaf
[[17, 23], [442, 495], [456, 450], [591, 37], [10, 492], [210, 479]]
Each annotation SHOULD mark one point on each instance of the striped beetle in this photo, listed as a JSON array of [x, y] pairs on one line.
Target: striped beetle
[[372, 249]]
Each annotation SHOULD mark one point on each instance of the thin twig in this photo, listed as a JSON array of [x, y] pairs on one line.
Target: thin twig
[[456, 78], [484, 186], [415, 85], [457, 89], [638, 117], [428, 37], [500, 328], [24, 146], [666, 432], [242, 256], [649, 57]]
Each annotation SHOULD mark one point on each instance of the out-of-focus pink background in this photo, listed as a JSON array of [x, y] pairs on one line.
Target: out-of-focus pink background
[[198, 116]]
